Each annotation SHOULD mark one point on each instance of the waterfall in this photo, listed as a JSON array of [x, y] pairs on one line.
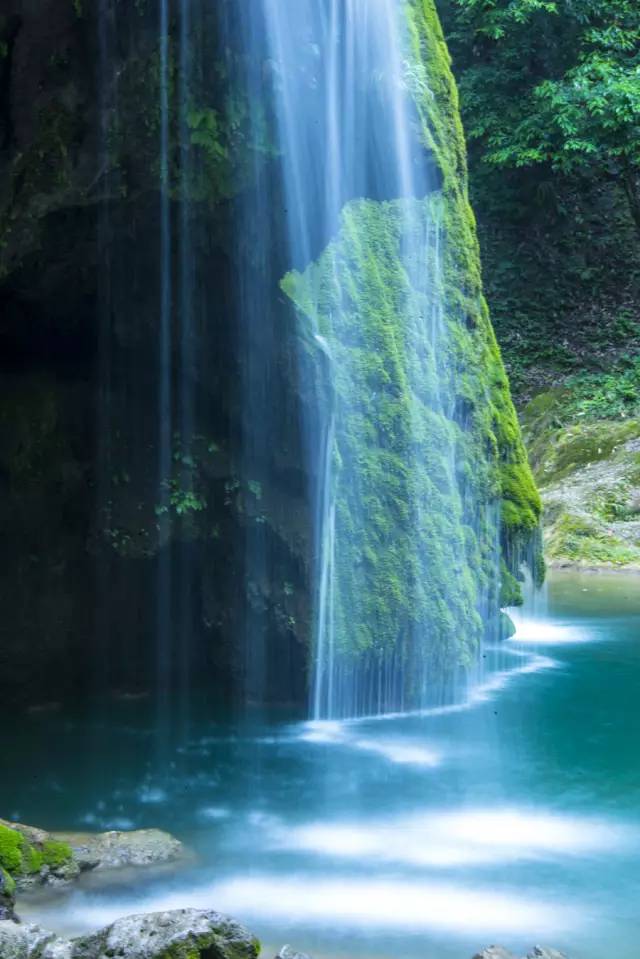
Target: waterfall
[[336, 76], [294, 367]]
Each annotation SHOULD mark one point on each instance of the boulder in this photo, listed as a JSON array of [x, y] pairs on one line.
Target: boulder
[[544, 952], [31, 942], [7, 895], [36, 857], [112, 850], [179, 934], [494, 952], [288, 953]]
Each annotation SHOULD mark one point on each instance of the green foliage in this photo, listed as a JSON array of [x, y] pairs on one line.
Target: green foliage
[[611, 395], [586, 543], [550, 98], [575, 103]]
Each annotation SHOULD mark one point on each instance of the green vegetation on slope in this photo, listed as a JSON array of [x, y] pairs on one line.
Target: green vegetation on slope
[[550, 96]]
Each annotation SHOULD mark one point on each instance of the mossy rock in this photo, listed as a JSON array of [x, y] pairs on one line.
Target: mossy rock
[[589, 475], [30, 855]]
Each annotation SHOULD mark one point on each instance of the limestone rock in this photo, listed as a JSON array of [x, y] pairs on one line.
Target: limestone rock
[[494, 952], [7, 895], [112, 850], [544, 952], [31, 942], [179, 934]]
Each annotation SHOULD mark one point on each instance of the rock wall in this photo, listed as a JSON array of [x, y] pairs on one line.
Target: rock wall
[[84, 529]]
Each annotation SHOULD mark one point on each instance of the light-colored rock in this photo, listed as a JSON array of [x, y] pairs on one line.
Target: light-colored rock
[[544, 952], [31, 942], [170, 935], [287, 952], [180, 934], [112, 850], [494, 952]]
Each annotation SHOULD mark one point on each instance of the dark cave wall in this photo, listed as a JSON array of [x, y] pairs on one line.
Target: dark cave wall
[[80, 285]]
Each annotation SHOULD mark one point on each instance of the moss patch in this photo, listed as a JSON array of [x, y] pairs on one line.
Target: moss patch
[[429, 463], [23, 853]]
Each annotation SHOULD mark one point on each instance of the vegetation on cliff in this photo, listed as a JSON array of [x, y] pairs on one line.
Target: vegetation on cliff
[[550, 100]]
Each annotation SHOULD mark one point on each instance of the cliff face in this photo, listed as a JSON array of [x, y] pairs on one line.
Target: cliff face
[[90, 520]]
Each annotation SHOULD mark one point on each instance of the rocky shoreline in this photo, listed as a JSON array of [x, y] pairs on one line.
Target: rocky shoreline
[[31, 857], [178, 934]]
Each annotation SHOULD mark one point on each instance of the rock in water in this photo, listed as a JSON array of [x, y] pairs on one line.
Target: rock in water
[[494, 952], [112, 850], [543, 952], [41, 857], [288, 953], [7, 895], [31, 942], [180, 934]]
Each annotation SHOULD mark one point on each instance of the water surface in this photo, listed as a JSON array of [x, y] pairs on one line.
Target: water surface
[[512, 817]]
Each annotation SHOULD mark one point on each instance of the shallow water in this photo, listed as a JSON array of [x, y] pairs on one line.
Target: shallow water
[[514, 817]]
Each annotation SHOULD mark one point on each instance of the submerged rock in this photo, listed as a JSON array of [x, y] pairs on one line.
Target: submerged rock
[[288, 953]]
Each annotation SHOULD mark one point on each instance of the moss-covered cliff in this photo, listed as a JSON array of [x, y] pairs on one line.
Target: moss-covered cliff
[[429, 464], [87, 520]]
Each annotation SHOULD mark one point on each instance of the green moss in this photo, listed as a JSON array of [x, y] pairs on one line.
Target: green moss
[[56, 854], [419, 492], [11, 849], [8, 884], [582, 541], [510, 588]]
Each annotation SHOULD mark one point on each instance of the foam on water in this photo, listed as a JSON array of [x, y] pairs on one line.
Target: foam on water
[[353, 902], [468, 837], [541, 631]]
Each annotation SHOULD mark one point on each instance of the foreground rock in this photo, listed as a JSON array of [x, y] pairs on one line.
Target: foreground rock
[[179, 934], [30, 856], [7, 895], [538, 952], [288, 953]]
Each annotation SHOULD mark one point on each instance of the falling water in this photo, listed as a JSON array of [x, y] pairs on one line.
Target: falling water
[[345, 122], [331, 290]]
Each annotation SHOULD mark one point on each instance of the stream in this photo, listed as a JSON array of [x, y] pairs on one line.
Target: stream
[[512, 816]]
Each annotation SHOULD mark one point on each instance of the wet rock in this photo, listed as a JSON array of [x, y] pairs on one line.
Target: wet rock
[[494, 952], [113, 850], [288, 953], [544, 952], [31, 942], [44, 858], [182, 932], [7, 896]]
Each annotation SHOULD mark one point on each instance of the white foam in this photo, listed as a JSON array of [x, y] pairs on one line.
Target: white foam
[[543, 631], [213, 812], [352, 902], [468, 837], [398, 752]]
